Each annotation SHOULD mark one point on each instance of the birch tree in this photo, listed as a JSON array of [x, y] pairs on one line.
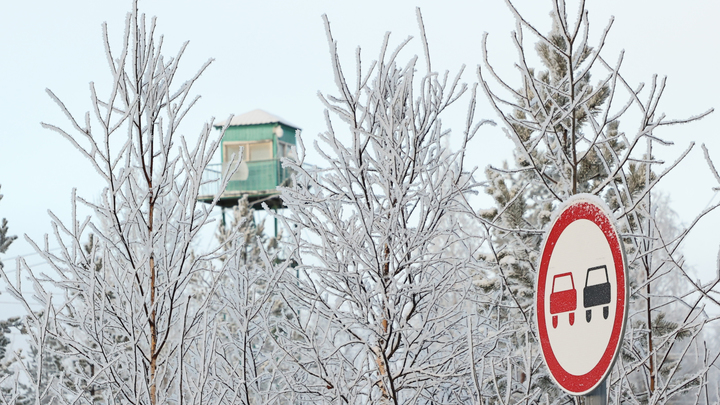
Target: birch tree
[[573, 136], [379, 296], [125, 315], [251, 362]]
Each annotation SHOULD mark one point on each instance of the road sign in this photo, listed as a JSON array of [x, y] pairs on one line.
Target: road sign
[[582, 250]]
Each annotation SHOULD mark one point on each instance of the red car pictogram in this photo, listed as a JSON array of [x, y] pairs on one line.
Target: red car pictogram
[[564, 299]]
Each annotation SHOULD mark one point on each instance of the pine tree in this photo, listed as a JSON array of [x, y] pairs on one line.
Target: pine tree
[[569, 140], [242, 222], [11, 389], [5, 239]]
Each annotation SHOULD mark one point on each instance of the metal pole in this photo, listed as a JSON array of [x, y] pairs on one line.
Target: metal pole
[[598, 396]]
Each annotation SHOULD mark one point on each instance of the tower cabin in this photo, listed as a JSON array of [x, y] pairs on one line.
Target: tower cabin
[[260, 139]]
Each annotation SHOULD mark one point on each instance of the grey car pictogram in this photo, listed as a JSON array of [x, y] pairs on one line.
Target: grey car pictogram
[[597, 293]]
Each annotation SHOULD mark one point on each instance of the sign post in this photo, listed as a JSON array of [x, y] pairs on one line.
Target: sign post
[[598, 396], [581, 297]]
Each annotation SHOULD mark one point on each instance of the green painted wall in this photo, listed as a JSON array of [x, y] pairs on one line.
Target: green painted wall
[[263, 175], [258, 132], [249, 133], [288, 134]]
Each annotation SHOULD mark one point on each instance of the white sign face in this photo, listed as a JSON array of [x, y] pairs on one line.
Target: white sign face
[[581, 296]]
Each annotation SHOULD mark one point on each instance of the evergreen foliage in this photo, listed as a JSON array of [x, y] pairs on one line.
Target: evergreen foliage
[[568, 141], [5, 239]]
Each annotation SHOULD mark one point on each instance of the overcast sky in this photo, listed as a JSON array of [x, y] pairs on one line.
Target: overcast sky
[[274, 55]]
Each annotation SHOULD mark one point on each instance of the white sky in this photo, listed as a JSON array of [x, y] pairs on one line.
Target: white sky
[[273, 55]]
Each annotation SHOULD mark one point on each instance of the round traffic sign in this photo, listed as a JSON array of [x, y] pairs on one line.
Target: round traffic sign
[[581, 295]]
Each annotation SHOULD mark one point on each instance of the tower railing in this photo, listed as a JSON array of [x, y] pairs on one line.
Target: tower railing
[[264, 176]]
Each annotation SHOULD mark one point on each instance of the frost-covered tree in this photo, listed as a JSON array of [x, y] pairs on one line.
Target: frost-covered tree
[[242, 222], [379, 295], [5, 239], [123, 315], [569, 139], [251, 302], [6, 363]]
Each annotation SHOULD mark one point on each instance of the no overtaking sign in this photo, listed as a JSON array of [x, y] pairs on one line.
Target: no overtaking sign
[[581, 297]]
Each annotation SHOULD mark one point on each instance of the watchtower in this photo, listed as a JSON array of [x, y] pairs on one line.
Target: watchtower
[[262, 139]]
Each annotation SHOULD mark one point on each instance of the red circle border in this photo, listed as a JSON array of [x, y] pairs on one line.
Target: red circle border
[[581, 384]]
